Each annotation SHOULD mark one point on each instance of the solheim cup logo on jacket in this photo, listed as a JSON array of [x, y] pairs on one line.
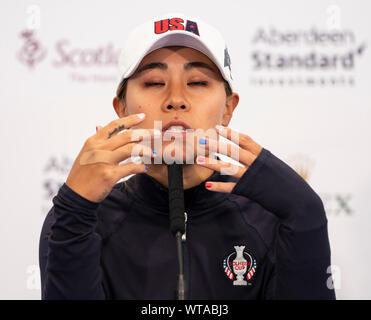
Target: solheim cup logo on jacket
[[239, 266]]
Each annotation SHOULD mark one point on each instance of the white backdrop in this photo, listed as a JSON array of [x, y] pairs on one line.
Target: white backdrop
[[302, 70]]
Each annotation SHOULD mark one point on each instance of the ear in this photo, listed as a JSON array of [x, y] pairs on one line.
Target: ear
[[230, 105], [120, 107]]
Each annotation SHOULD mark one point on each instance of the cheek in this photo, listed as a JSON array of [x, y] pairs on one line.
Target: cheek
[[137, 103], [212, 110], [134, 103], [139, 108]]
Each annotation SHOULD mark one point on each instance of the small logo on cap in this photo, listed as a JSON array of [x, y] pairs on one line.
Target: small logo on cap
[[173, 24], [227, 61]]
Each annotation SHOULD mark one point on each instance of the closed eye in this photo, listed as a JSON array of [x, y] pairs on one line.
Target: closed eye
[[198, 83], [153, 84], [195, 83]]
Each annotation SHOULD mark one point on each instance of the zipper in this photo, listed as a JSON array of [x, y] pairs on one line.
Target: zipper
[[184, 235], [185, 257]]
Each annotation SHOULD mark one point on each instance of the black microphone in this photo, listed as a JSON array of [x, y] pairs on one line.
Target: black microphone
[[177, 218], [176, 198]]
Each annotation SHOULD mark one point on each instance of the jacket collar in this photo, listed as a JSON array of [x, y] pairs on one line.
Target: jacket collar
[[149, 192]]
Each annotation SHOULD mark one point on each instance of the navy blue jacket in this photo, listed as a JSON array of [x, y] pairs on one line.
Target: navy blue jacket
[[266, 240]]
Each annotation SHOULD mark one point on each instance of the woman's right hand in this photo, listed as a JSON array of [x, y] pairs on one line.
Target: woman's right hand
[[96, 169]]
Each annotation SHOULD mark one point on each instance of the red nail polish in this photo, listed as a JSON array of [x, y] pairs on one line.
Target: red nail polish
[[208, 185]]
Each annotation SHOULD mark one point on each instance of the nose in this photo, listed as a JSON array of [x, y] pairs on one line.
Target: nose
[[176, 100], [175, 106]]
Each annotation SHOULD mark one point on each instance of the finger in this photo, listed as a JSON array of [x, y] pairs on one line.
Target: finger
[[225, 187], [96, 156], [145, 136], [116, 126], [133, 150], [243, 140], [230, 150], [122, 171], [221, 166]]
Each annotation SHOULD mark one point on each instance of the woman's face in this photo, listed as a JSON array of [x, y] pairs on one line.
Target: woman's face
[[178, 83]]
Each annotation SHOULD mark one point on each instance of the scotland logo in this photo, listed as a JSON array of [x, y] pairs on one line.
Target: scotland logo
[[32, 51], [239, 266]]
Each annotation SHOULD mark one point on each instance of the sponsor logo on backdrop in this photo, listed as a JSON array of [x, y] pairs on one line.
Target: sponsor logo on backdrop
[[302, 164], [33, 280], [32, 51], [306, 58], [335, 203], [54, 174], [82, 64]]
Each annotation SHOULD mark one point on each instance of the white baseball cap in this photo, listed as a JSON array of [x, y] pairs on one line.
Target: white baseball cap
[[174, 29]]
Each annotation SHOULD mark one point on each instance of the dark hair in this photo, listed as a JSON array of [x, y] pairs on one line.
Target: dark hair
[[121, 90]]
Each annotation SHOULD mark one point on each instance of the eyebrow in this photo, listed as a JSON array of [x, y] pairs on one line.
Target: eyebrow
[[153, 65], [187, 66], [198, 64]]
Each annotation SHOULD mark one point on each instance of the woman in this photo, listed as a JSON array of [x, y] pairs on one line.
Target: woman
[[259, 232]]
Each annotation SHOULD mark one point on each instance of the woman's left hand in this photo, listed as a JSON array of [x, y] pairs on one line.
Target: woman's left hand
[[245, 151]]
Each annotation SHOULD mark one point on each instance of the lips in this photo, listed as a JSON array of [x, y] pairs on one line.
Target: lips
[[178, 124]]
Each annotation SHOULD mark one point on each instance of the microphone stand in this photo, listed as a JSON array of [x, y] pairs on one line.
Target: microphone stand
[[180, 292], [177, 220]]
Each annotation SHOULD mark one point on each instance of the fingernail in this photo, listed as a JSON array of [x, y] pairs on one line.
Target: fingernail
[[96, 129], [202, 141], [137, 160], [208, 185], [141, 115], [200, 159]]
